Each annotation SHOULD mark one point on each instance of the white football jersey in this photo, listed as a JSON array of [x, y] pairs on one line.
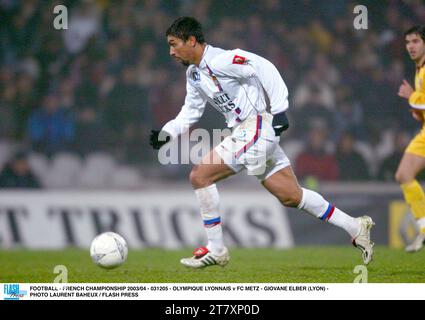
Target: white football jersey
[[232, 81]]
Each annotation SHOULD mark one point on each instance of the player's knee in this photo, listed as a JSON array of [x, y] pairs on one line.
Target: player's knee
[[197, 179], [194, 177], [398, 177], [292, 199], [402, 176]]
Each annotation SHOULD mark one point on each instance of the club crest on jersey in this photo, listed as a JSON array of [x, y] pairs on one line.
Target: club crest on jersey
[[239, 60], [196, 76]]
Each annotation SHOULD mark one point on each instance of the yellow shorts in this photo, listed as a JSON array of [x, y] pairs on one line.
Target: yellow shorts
[[417, 145]]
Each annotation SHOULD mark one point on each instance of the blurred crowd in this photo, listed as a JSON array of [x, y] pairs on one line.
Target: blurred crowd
[[104, 82]]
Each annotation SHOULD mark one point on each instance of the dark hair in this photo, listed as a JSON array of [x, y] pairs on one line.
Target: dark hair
[[184, 27], [420, 30]]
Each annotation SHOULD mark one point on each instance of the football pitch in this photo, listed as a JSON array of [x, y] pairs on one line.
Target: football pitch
[[298, 265]]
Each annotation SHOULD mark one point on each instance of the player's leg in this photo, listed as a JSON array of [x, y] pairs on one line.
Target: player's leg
[[203, 178], [210, 170], [283, 184], [409, 167]]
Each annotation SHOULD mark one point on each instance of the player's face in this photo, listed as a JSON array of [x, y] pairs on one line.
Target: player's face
[[181, 50], [415, 46]]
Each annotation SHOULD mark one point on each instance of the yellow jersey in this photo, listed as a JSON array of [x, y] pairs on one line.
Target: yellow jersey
[[417, 98], [417, 102]]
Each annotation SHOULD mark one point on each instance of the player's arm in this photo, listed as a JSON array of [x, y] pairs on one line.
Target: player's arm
[[190, 113], [416, 100], [277, 92], [241, 64], [417, 104]]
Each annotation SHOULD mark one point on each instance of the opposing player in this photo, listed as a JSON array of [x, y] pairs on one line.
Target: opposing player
[[235, 83], [413, 160]]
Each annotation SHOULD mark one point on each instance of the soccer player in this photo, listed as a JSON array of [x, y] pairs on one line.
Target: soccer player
[[235, 82], [413, 160]]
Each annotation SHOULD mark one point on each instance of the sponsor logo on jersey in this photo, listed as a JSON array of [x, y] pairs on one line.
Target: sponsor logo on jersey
[[223, 102]]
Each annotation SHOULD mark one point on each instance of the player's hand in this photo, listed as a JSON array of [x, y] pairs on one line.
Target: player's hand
[[280, 123], [405, 90], [159, 138], [417, 115]]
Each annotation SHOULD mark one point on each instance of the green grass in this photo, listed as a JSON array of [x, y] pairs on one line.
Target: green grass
[[302, 264]]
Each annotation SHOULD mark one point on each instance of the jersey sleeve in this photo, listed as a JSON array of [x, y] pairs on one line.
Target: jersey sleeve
[[242, 64], [190, 113], [417, 100]]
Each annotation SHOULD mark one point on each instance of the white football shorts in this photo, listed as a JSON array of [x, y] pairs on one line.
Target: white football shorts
[[254, 146]]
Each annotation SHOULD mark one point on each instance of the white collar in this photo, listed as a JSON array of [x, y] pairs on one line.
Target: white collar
[[203, 63]]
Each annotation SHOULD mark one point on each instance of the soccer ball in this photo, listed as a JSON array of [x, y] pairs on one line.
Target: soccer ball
[[108, 250]]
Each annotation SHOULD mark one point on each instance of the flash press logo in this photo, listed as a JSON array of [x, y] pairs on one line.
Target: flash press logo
[[13, 292], [194, 146]]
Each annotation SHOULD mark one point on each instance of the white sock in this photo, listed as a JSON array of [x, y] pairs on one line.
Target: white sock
[[421, 224], [209, 204], [314, 204]]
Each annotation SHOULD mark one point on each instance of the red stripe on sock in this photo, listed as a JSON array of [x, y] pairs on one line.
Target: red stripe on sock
[[211, 225], [330, 213]]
